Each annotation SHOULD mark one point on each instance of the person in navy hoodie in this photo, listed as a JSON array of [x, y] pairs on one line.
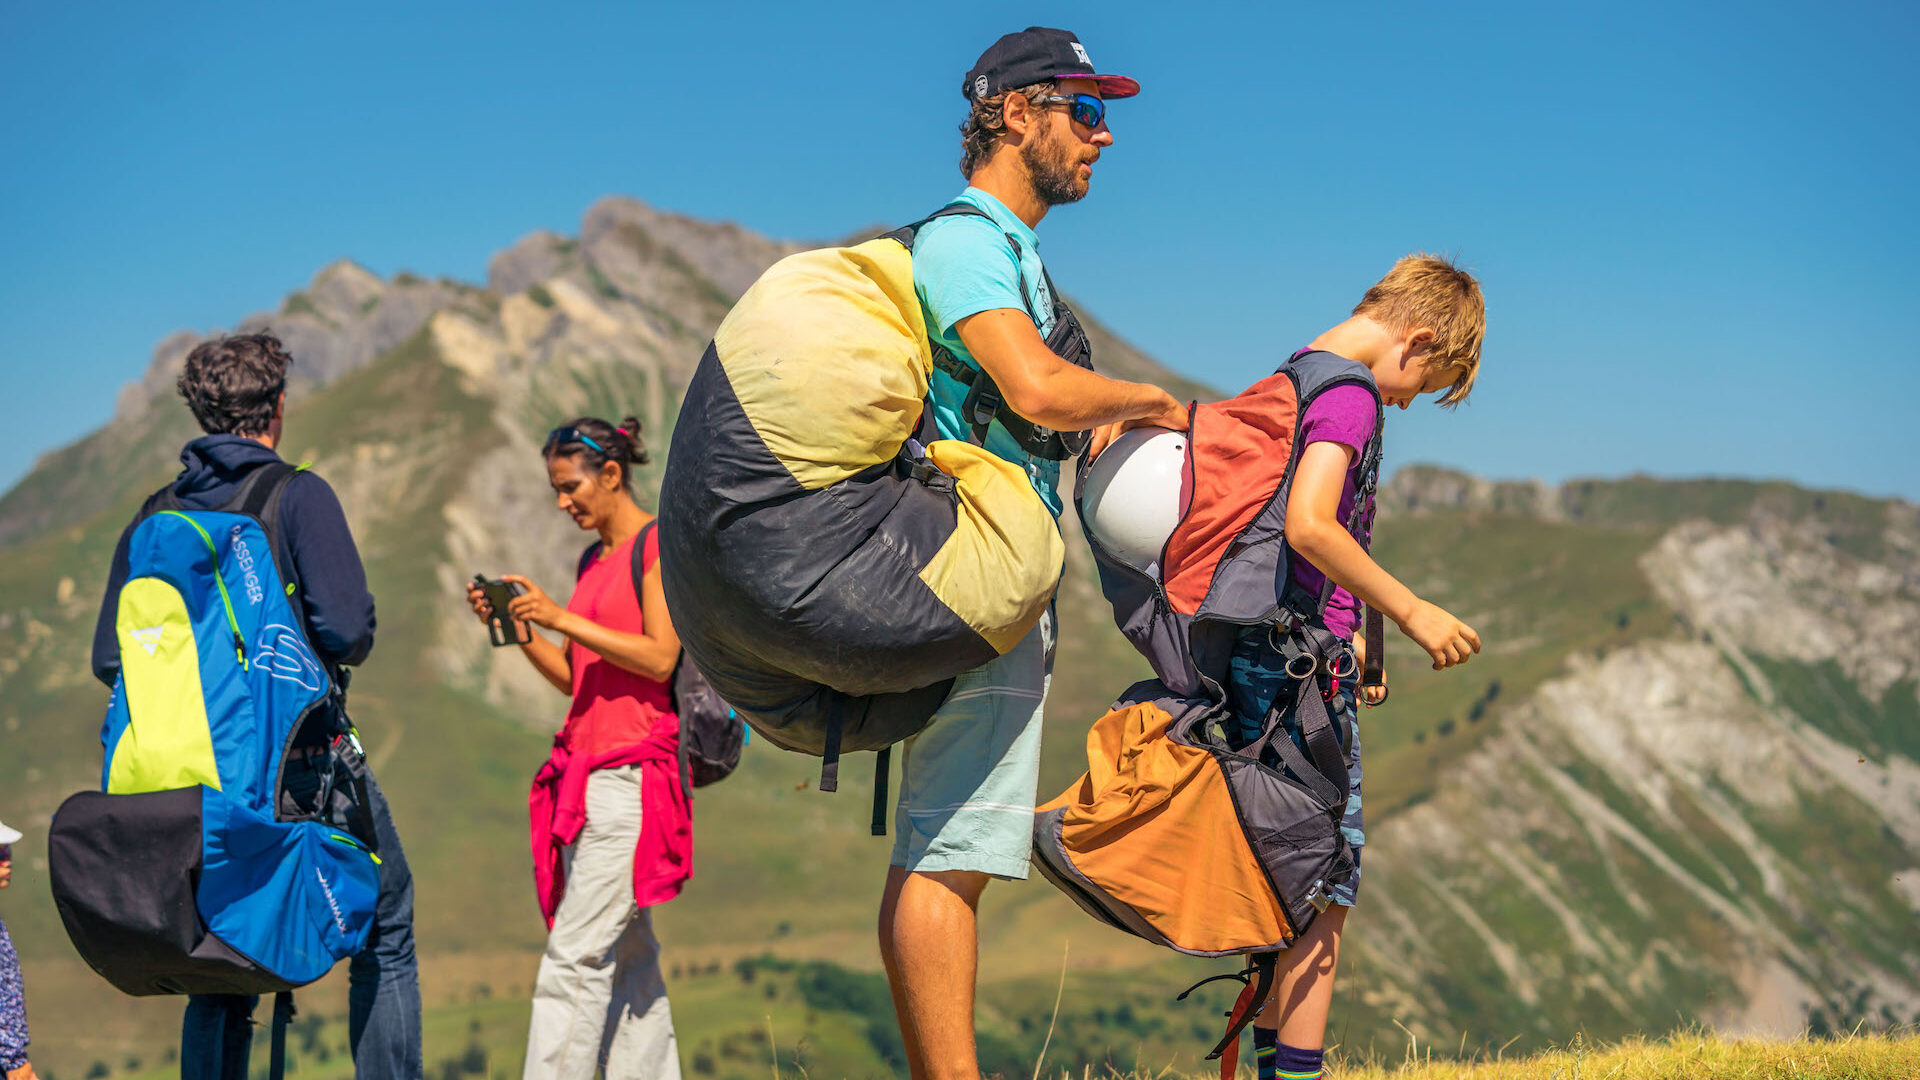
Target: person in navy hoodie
[[236, 388]]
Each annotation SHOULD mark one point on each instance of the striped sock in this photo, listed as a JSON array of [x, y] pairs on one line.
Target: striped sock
[[1293, 1063], [1266, 1041]]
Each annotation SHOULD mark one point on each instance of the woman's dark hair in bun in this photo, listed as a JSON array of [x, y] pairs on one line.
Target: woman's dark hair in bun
[[598, 442]]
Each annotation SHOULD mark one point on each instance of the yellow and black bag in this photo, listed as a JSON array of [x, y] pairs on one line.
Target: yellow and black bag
[[829, 571]]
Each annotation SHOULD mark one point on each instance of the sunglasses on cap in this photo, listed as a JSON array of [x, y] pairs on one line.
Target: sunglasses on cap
[[561, 436], [1086, 110], [6, 852]]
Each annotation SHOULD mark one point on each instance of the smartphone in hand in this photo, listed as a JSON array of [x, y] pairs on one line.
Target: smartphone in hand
[[502, 628]]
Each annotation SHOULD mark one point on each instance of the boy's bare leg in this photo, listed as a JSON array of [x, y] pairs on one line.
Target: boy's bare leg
[[1303, 983], [930, 945]]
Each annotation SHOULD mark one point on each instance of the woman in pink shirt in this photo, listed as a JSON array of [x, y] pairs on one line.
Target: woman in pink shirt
[[611, 824]]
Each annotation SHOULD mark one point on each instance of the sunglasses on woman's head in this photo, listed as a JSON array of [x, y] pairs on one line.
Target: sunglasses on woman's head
[[6, 852], [1086, 110], [561, 436]]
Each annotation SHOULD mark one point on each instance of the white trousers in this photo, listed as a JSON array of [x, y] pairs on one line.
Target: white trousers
[[599, 1000]]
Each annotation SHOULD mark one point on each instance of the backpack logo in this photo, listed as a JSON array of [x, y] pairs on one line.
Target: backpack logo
[[281, 653], [1080, 51], [148, 638], [244, 555], [979, 87]]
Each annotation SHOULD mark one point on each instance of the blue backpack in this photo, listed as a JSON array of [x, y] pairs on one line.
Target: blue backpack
[[195, 869]]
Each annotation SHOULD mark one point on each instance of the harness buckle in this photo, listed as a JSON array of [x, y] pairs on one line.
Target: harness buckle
[[1318, 896], [1302, 666]]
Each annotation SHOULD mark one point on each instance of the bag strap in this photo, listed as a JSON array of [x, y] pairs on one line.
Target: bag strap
[[1374, 672], [637, 565], [1323, 767], [282, 1016], [984, 402], [259, 497]]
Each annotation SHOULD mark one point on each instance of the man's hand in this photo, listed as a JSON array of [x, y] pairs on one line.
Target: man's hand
[[1172, 415], [1049, 391], [1448, 640]]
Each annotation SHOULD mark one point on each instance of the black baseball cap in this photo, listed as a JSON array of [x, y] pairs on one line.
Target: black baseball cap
[[1035, 55]]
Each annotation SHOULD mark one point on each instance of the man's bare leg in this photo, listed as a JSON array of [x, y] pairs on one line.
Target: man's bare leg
[[930, 945], [889, 901], [1303, 983]]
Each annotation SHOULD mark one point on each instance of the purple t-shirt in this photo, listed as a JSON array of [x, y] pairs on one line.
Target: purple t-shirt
[[1344, 415]]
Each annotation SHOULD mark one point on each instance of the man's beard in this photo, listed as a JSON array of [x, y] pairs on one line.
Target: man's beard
[[1054, 172]]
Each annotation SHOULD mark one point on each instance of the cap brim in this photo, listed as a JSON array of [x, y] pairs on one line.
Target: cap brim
[[1111, 86], [9, 836]]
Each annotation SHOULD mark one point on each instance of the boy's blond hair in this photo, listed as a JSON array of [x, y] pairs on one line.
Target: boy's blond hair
[[1430, 291]]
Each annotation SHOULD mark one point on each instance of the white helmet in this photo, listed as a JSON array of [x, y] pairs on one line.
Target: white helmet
[[1134, 494]]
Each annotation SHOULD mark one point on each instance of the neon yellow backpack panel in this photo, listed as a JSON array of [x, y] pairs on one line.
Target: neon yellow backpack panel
[[169, 744]]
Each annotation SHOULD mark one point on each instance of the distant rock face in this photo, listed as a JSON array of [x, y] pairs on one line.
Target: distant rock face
[[1421, 488], [537, 257], [343, 319], [1656, 805]]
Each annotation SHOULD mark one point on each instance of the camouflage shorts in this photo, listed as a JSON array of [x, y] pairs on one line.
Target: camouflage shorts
[[1259, 675]]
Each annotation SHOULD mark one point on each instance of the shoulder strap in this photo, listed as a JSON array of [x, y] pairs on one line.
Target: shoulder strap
[[905, 235], [586, 559], [639, 559], [259, 497]]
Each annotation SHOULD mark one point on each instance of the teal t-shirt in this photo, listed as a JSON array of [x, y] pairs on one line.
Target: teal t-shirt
[[963, 266]]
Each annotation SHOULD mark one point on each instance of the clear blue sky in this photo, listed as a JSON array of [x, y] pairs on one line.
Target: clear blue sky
[[1696, 225]]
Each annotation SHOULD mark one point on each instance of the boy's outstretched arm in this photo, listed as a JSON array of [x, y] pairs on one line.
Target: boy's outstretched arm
[[1314, 530]]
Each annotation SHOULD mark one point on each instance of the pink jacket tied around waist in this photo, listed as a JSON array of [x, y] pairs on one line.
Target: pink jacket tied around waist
[[663, 859]]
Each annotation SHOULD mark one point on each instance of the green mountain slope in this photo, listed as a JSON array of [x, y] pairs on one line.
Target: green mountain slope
[[1673, 788]]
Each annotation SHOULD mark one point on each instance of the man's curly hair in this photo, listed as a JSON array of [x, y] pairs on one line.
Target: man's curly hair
[[233, 384], [987, 123]]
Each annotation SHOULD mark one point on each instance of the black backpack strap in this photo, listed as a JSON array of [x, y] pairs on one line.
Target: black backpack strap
[[283, 1013], [984, 403], [637, 565], [259, 497], [882, 769], [1374, 672]]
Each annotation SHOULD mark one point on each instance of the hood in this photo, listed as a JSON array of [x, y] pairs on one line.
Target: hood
[[214, 464]]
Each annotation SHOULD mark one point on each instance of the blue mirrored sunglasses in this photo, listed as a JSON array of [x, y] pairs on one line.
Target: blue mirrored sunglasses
[[1086, 110], [561, 436]]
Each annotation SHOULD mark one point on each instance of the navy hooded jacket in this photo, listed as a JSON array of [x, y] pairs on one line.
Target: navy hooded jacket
[[333, 584]]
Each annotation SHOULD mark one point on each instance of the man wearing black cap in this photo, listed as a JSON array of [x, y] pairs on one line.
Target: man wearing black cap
[[1012, 374]]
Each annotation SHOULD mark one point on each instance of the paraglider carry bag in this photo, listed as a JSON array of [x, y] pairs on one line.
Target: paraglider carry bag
[[220, 854], [831, 564], [1179, 832]]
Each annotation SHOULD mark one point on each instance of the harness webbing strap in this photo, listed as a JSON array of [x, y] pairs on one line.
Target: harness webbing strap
[[882, 766], [1259, 979], [277, 1053], [1374, 673], [830, 756], [984, 403]]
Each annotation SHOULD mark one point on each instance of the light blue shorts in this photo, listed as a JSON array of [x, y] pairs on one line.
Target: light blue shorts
[[969, 778]]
